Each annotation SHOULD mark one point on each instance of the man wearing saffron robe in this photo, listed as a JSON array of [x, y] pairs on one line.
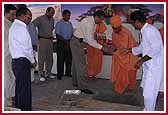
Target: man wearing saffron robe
[[123, 72]]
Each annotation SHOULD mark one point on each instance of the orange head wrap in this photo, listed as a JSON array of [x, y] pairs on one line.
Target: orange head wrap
[[115, 21]]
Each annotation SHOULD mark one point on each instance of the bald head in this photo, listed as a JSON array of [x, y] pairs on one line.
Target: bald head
[[24, 14]]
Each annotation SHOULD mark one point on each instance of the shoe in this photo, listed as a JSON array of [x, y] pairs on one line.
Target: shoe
[[42, 79], [68, 75], [86, 91], [52, 76], [59, 77]]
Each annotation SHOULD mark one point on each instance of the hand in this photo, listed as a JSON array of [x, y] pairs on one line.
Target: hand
[[138, 64], [34, 47], [108, 50], [53, 38], [125, 51], [34, 65], [67, 44]]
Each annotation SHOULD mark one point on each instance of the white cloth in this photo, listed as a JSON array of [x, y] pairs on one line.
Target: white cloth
[[85, 29], [20, 44], [9, 79], [108, 32], [152, 46]]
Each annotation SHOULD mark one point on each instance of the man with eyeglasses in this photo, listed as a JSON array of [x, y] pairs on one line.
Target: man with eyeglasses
[[9, 79], [21, 50]]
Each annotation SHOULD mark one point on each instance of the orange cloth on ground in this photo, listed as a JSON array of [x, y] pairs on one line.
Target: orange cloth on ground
[[123, 73], [95, 56]]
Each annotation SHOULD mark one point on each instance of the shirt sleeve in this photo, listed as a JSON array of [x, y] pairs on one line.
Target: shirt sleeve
[[89, 36], [57, 28], [137, 50], [72, 28], [36, 22], [33, 33], [155, 42]]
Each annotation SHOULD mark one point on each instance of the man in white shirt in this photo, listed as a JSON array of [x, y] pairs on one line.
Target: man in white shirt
[[9, 79], [21, 50], [84, 33], [151, 47]]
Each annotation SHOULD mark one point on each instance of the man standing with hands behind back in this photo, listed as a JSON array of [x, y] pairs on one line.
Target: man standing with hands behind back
[[45, 26], [21, 50], [64, 31]]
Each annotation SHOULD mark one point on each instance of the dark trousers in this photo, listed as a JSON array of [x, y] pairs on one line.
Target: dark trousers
[[23, 95], [64, 55]]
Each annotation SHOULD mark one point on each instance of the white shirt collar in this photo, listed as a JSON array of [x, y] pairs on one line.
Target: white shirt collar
[[20, 22], [144, 26]]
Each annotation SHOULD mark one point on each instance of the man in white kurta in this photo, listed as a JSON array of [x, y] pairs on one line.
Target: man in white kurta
[[151, 47], [9, 79]]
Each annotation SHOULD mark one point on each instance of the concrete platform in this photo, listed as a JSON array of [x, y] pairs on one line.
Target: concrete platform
[[47, 97]]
